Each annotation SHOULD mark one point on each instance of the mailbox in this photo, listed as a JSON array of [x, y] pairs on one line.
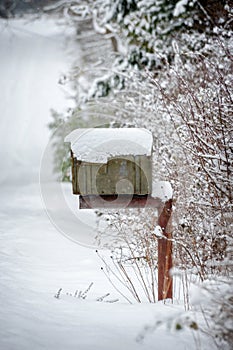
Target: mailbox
[[111, 161], [112, 168]]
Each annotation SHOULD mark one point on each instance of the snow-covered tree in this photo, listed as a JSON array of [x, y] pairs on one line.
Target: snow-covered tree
[[143, 32]]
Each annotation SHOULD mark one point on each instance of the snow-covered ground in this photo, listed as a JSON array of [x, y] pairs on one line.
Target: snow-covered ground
[[35, 258]]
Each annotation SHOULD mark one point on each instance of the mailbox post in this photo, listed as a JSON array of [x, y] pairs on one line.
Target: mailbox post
[[165, 284]]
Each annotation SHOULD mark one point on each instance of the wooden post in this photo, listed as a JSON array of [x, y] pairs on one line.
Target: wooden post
[[165, 252]]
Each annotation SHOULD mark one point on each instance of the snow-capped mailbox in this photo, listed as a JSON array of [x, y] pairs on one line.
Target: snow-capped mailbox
[[111, 161], [112, 168]]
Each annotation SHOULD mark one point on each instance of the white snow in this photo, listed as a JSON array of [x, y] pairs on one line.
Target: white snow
[[96, 26], [158, 232], [180, 8], [162, 190], [35, 259], [98, 145], [26, 94]]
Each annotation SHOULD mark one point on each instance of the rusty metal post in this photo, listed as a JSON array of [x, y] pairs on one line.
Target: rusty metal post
[[165, 252]]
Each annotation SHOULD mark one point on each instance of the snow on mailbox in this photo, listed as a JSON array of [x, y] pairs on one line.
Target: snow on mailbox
[[111, 162]]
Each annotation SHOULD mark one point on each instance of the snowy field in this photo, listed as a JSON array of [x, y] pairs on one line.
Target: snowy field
[[35, 258]]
